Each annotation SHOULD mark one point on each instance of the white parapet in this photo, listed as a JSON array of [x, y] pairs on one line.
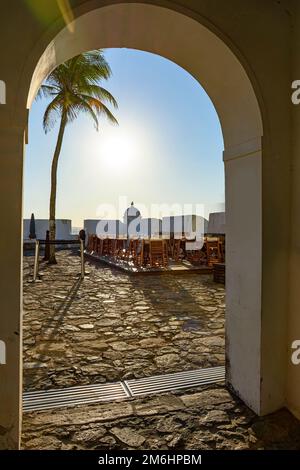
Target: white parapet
[[63, 229], [105, 228], [190, 226], [216, 223], [150, 227]]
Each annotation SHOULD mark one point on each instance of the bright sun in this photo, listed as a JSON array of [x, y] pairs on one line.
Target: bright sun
[[117, 148]]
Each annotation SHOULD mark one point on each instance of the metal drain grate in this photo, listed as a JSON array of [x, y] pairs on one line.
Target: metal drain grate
[[88, 394], [176, 381], [71, 396]]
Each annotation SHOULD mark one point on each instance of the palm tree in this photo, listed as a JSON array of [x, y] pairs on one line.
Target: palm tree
[[74, 88]]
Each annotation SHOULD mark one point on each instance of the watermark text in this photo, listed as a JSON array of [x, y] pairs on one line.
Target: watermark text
[[2, 352], [2, 92], [296, 352]]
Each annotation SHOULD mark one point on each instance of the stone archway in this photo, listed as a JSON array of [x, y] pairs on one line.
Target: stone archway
[[212, 63], [196, 46]]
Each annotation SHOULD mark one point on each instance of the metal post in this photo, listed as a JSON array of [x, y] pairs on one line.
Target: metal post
[[47, 247], [82, 258], [36, 260]]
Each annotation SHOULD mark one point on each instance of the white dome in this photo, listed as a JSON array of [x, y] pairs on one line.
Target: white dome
[[131, 212]]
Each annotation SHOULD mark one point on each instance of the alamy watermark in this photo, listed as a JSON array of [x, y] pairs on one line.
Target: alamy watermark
[[2, 92], [295, 358], [2, 352], [166, 220]]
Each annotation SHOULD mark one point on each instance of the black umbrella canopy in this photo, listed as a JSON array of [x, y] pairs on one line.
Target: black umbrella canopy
[[32, 233]]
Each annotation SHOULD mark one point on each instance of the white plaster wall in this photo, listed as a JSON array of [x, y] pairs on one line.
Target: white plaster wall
[[63, 229], [170, 35], [293, 374], [90, 226], [243, 275], [187, 224], [111, 227], [216, 223], [150, 227], [242, 37]]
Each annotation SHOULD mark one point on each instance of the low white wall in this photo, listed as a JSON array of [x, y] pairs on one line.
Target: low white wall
[[184, 224], [216, 222], [90, 226], [63, 229], [150, 227], [188, 224], [111, 228], [144, 227]]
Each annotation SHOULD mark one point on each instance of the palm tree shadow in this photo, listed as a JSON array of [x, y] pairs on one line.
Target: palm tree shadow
[[62, 310]]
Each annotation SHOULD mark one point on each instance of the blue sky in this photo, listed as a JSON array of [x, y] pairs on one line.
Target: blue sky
[[167, 148]]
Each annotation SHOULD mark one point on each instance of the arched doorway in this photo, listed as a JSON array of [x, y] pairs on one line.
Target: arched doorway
[[211, 62], [203, 53]]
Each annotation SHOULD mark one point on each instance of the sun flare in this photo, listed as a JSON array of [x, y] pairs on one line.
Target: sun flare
[[118, 149]]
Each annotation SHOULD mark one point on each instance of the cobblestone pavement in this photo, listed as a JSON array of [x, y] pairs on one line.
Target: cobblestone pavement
[[206, 419], [113, 326]]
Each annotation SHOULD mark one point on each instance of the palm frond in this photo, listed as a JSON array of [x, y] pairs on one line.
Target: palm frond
[[53, 112], [100, 93], [82, 106], [74, 87], [100, 108], [47, 91]]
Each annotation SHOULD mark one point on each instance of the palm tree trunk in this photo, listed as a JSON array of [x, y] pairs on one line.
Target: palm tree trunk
[[52, 208]]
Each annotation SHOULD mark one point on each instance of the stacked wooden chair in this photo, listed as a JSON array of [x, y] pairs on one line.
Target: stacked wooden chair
[[196, 256], [90, 243], [213, 251], [170, 245], [138, 253], [129, 250], [119, 253], [112, 247], [158, 253], [176, 254], [222, 248]]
